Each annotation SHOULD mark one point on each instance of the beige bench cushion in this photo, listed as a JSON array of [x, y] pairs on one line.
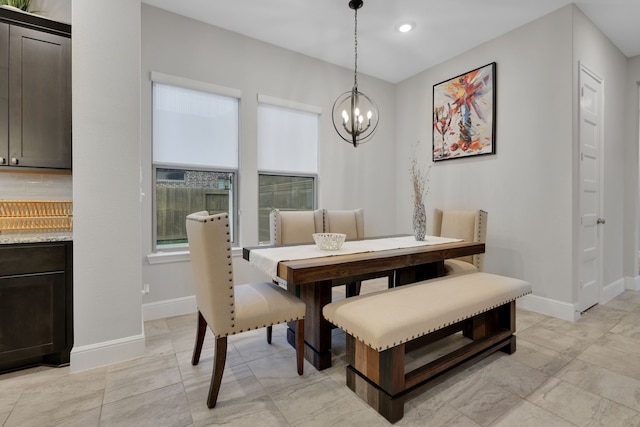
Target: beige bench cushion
[[391, 317]]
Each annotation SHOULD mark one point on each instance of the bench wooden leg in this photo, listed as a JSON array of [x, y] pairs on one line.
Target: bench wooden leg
[[510, 348], [370, 373], [390, 408]]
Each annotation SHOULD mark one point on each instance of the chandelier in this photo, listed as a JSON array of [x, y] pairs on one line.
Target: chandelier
[[355, 115]]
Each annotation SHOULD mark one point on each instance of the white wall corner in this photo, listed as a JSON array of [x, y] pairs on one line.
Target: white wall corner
[[612, 290], [169, 308], [106, 353], [550, 307]]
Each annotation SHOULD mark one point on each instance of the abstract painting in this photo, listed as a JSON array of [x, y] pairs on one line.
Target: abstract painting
[[464, 109]]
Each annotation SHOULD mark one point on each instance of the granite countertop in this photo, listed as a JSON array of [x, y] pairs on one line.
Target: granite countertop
[[10, 237]]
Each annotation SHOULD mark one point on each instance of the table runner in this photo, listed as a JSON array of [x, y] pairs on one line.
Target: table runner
[[267, 259]]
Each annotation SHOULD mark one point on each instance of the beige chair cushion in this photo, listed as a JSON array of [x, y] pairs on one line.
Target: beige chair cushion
[[294, 227], [391, 317], [263, 304], [456, 266], [349, 222]]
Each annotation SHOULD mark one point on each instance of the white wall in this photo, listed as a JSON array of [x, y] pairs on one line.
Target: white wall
[[526, 186], [632, 177], [106, 182], [530, 187], [348, 177]]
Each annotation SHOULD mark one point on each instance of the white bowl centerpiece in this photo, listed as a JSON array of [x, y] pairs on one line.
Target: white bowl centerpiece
[[329, 241]]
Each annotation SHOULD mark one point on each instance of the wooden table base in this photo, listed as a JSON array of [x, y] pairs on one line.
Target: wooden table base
[[317, 331]]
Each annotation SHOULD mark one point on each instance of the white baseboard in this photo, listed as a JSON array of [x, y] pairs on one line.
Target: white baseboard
[[567, 311], [550, 307], [612, 290], [105, 353], [169, 308], [632, 283]]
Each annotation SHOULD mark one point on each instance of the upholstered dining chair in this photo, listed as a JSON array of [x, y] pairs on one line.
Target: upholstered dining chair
[[461, 224], [351, 223], [294, 227], [229, 309]]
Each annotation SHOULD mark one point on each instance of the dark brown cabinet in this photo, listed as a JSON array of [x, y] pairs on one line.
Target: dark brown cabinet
[[35, 92], [36, 301]]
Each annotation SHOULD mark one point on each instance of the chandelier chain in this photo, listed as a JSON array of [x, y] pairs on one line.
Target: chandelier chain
[[355, 44]]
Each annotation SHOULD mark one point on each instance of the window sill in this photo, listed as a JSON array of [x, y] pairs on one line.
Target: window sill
[[180, 256]]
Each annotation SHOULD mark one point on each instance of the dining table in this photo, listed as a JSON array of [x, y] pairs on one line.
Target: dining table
[[310, 273]]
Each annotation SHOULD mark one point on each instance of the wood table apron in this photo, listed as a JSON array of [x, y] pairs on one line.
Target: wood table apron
[[311, 280]]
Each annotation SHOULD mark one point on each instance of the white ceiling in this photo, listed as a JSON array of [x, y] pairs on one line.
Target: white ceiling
[[444, 28]]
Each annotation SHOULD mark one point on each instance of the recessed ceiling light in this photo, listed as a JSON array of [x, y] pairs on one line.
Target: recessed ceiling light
[[406, 27]]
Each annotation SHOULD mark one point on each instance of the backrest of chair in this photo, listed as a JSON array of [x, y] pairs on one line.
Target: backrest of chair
[[467, 225], [349, 222], [292, 227], [210, 246]]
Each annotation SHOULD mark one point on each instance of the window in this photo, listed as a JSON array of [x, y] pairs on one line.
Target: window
[[195, 155], [179, 192], [285, 193], [287, 158]]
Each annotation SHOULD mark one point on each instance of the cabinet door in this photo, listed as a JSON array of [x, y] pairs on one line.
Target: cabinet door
[[4, 93], [39, 99], [32, 315]]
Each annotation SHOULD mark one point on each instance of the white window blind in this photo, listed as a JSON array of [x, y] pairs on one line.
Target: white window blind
[[287, 140], [192, 127]]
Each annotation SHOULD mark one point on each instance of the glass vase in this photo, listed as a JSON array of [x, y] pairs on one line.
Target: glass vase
[[419, 221]]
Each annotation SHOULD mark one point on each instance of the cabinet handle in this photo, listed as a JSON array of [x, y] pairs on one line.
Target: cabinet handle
[[14, 161], [600, 221]]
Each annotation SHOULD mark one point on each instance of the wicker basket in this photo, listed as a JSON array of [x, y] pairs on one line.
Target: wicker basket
[[20, 215]]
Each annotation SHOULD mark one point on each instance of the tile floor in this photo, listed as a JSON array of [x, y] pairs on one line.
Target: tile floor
[[585, 373]]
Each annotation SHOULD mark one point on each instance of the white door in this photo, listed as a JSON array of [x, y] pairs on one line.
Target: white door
[[590, 136]]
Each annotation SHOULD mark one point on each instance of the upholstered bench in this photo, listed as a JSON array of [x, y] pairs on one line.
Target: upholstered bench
[[385, 326]]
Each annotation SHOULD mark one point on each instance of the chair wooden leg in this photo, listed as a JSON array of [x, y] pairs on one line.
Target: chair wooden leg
[[200, 331], [218, 369], [300, 346], [269, 333], [353, 289]]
